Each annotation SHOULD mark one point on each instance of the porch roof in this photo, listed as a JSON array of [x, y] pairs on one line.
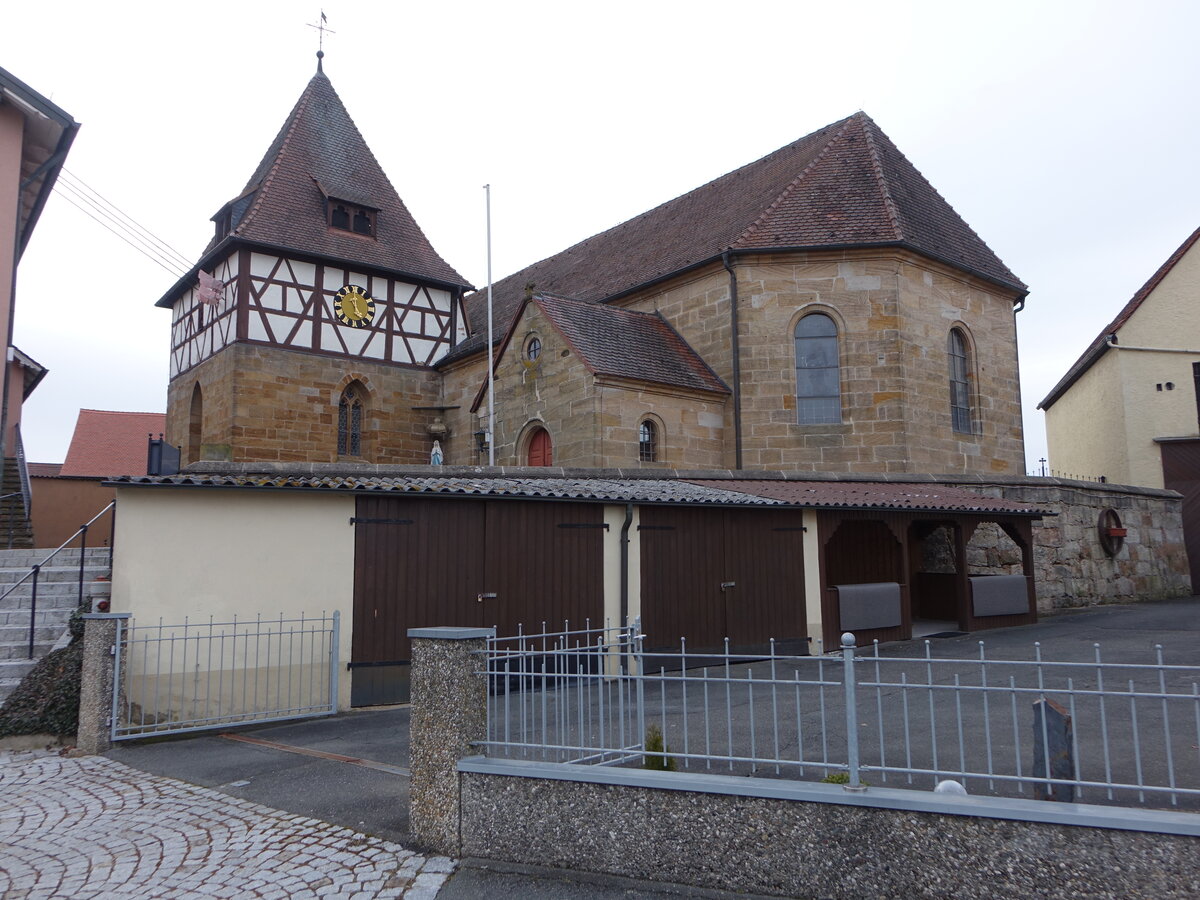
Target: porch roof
[[592, 486]]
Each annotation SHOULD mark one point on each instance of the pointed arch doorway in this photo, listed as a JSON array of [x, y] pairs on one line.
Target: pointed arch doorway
[[541, 449]]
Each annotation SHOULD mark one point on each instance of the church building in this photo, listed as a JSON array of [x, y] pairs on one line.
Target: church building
[[822, 309]]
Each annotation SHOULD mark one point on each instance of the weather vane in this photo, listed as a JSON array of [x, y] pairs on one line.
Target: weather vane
[[321, 26]]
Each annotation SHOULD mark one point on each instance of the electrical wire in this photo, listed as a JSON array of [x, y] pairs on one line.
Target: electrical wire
[[157, 260], [80, 186]]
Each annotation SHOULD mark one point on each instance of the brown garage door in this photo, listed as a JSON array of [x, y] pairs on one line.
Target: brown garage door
[[1181, 472], [708, 574], [474, 563]]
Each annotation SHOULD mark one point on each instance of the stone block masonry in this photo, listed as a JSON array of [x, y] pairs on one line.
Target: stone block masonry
[[1071, 567]]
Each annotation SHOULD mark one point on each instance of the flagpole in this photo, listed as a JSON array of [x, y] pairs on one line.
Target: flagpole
[[487, 188]]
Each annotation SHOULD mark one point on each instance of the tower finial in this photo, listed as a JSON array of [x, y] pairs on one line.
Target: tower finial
[[322, 27]]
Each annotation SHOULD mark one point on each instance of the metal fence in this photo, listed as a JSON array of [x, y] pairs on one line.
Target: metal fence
[[1090, 729], [169, 679]]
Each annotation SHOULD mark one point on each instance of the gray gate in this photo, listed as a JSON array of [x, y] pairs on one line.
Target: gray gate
[[170, 679]]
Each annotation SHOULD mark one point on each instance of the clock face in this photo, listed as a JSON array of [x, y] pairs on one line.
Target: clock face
[[353, 306]]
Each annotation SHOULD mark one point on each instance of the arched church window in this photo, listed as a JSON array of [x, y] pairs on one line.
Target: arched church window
[[195, 424], [818, 378], [648, 441], [350, 420], [960, 385]]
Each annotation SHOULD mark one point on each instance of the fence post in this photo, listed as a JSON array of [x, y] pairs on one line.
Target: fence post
[[98, 686], [449, 713], [851, 714]]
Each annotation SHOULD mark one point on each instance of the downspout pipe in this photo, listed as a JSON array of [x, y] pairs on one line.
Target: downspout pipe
[[727, 262], [625, 564]]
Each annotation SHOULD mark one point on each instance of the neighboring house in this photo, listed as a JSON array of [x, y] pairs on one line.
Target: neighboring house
[[1128, 410], [824, 309], [67, 495], [35, 136]]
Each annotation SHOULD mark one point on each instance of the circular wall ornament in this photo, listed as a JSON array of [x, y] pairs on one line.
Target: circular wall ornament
[[1111, 532]]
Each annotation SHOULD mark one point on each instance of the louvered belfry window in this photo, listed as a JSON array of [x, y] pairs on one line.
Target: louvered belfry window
[[350, 422], [960, 386], [818, 375]]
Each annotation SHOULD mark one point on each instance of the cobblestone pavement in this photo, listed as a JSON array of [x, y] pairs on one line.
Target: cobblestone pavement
[[91, 827]]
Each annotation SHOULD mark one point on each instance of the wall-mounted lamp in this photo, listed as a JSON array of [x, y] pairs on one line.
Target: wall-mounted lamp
[[482, 440]]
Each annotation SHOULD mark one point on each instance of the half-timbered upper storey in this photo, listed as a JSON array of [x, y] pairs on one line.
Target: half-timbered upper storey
[[318, 253]]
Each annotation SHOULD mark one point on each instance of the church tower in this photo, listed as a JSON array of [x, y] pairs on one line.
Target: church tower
[[308, 329]]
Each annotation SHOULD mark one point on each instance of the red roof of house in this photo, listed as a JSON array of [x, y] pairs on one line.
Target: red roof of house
[[1099, 346], [108, 443], [845, 185]]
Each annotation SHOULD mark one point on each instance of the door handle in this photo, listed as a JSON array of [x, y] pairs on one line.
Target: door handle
[[726, 585], [481, 597]]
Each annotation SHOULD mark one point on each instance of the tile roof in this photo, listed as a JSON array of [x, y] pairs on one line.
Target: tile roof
[[844, 185], [109, 443], [874, 495], [44, 470], [643, 487], [318, 149], [624, 343], [1099, 346]]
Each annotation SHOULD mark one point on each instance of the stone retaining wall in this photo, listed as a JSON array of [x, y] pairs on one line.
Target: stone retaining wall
[[792, 848], [1072, 568]]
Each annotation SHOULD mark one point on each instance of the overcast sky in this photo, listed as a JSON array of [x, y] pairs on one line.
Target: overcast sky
[[1065, 133]]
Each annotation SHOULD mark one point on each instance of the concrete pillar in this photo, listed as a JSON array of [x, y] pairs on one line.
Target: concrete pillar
[[449, 711], [96, 688]]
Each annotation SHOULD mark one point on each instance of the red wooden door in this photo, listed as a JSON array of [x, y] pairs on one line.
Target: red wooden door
[[541, 453]]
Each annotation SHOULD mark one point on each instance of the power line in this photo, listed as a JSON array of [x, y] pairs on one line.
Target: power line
[[157, 260], [79, 185]]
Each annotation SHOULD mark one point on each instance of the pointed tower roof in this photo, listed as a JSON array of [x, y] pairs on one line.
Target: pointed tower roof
[[845, 185], [318, 154]]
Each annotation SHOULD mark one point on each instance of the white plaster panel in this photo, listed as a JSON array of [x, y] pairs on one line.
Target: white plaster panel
[[303, 336], [255, 330], [265, 539], [305, 272], [280, 325], [261, 265], [333, 278], [272, 297], [377, 349], [421, 349], [355, 338], [441, 299], [329, 339]]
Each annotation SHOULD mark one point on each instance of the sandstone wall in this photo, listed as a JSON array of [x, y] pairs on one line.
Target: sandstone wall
[[1072, 568], [266, 404]]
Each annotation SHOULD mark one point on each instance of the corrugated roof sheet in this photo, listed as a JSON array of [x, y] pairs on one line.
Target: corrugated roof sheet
[[875, 495], [107, 442], [650, 490]]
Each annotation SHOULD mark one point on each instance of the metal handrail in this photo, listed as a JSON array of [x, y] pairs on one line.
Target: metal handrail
[[23, 472], [36, 567]]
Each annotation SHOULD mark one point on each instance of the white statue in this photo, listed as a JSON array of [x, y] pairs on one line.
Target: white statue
[[435, 455]]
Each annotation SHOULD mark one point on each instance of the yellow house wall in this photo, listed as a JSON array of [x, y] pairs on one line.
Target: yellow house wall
[[220, 553], [1106, 423], [1086, 428]]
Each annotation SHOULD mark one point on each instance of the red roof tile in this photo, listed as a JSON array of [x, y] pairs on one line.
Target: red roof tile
[[44, 470], [844, 185], [1099, 346], [108, 443], [318, 149], [629, 344]]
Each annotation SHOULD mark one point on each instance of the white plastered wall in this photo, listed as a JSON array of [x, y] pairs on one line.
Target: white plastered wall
[[209, 552]]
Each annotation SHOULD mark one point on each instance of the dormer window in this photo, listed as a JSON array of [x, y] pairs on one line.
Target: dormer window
[[351, 217]]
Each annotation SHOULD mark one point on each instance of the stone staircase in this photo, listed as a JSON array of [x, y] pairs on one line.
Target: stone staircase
[[57, 597], [15, 529]]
